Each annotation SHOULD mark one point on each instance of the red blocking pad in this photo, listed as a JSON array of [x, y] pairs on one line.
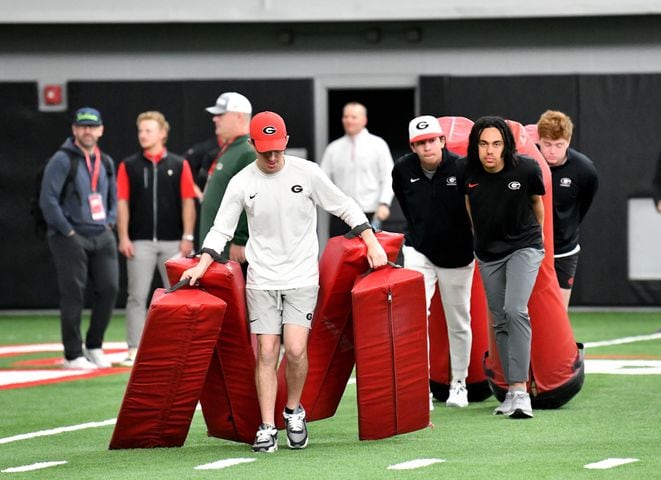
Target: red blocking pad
[[177, 343], [229, 396], [330, 345], [390, 333]]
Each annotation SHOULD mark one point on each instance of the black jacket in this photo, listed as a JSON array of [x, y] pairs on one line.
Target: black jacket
[[437, 224]]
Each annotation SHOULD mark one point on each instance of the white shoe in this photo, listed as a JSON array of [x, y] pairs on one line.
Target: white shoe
[[130, 357], [521, 406], [458, 396], [96, 356], [80, 363], [506, 407]]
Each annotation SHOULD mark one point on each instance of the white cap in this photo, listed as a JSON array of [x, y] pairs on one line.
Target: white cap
[[230, 102], [424, 127]]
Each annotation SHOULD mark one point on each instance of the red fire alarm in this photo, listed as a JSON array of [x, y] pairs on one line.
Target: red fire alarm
[[53, 94]]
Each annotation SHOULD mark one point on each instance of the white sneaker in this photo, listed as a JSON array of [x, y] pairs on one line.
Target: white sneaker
[[130, 358], [521, 406], [80, 363], [505, 407], [96, 356], [458, 396]]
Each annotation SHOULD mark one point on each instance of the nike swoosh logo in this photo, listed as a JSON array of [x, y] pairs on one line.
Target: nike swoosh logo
[[413, 180], [252, 196], [473, 185]]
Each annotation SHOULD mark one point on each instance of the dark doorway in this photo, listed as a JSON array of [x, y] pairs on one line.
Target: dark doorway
[[388, 114]]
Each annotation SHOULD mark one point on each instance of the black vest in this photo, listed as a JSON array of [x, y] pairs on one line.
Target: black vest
[[155, 197]]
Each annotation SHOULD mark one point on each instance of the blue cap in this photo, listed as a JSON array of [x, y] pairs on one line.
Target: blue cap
[[87, 116]]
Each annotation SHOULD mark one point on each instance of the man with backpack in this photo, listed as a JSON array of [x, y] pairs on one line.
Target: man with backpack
[[78, 200]]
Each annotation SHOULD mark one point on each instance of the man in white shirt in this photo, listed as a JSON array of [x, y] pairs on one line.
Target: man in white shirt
[[360, 164], [280, 195]]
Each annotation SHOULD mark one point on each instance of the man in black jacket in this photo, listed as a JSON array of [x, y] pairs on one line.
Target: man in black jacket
[[438, 241], [80, 215]]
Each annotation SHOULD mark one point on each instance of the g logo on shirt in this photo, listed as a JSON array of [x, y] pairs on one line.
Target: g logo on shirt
[[565, 182], [514, 185], [297, 189], [269, 130], [451, 181]]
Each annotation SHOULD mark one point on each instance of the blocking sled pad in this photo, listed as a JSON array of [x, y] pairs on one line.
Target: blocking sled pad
[[330, 345], [229, 396], [390, 334], [177, 343]]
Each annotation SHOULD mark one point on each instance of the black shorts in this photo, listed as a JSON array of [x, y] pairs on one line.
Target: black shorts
[[565, 269]]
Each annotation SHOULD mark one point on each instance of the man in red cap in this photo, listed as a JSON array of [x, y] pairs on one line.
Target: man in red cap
[[280, 194]]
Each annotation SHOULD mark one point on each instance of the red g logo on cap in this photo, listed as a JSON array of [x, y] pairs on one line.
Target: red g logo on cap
[[269, 130]]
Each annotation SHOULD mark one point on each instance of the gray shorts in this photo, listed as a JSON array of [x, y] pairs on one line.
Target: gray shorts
[[269, 310]]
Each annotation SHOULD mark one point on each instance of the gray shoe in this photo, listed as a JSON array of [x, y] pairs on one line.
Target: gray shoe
[[266, 439], [521, 407], [297, 430], [505, 407]]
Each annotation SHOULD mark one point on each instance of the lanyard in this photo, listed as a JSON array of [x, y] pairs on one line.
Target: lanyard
[[97, 166], [223, 147]]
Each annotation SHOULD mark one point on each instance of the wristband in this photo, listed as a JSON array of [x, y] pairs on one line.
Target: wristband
[[189, 237]]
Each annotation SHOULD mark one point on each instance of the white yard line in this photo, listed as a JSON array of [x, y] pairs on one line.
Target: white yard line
[[228, 462], [621, 341], [623, 367], [57, 431], [609, 463], [413, 464], [34, 466]]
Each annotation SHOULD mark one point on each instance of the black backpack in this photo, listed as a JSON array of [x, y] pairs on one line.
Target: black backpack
[[40, 225]]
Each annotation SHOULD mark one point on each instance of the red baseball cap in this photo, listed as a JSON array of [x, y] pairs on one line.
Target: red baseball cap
[[268, 132]]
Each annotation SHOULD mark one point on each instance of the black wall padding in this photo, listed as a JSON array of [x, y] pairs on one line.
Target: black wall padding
[[620, 121], [27, 139]]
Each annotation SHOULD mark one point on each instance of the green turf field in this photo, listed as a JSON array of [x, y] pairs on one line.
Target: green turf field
[[614, 416]]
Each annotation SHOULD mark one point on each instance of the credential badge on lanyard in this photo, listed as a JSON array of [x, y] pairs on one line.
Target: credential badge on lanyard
[[95, 199]]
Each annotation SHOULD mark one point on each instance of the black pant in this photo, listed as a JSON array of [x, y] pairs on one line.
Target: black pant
[[338, 227], [77, 260]]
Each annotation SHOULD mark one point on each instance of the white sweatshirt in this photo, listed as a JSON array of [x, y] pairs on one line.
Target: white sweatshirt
[[283, 249]]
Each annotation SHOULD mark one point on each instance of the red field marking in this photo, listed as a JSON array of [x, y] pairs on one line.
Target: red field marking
[[32, 373]]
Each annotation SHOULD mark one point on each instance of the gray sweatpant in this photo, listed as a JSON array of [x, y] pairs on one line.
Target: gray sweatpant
[[140, 272], [508, 283]]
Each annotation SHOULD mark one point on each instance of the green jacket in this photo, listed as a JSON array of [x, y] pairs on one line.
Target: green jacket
[[238, 155]]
